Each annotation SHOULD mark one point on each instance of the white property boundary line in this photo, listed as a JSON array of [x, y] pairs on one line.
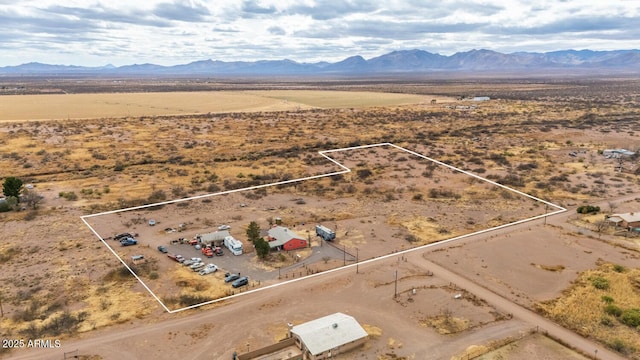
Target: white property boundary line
[[323, 153]]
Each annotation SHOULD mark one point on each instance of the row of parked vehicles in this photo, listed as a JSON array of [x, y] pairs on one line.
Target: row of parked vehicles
[[196, 264]]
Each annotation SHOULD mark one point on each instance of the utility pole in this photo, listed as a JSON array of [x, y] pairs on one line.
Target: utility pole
[[344, 255], [546, 207], [395, 291], [357, 261]]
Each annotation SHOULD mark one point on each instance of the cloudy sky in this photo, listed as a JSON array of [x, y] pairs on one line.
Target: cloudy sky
[[168, 32]]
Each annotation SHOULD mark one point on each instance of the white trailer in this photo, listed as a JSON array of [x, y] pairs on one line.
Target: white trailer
[[235, 246]]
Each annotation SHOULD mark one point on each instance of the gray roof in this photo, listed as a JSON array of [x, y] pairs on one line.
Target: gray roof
[[628, 217], [281, 235], [329, 332], [214, 236]]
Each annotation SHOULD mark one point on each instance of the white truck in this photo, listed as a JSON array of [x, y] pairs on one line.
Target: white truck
[[235, 246]]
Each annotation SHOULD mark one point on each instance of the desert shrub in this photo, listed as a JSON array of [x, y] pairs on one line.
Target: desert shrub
[[527, 166], [389, 197], [69, 196], [499, 159], [417, 197], [607, 299], [8, 254], [443, 193], [600, 283], [411, 238], [511, 180], [587, 209], [212, 188], [189, 299], [631, 317], [364, 173], [618, 345], [607, 321], [4, 206], [559, 178], [157, 196], [118, 274], [613, 310], [618, 268], [30, 215]]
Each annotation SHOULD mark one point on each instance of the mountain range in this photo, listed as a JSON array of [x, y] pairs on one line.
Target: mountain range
[[396, 62]]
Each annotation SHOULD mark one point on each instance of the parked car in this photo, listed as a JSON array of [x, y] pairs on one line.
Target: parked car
[[152, 222], [208, 269], [191, 261], [128, 241], [163, 249], [224, 227], [177, 258], [231, 277], [218, 251], [207, 251], [240, 282], [197, 266]]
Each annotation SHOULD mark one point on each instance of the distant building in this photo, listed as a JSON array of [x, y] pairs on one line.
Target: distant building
[[282, 238], [481, 98], [627, 220], [328, 336], [616, 153]]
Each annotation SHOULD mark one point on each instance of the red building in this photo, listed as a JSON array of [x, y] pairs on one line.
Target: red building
[[282, 238]]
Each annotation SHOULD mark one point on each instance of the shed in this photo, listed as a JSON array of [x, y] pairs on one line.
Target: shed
[[328, 336], [216, 238], [280, 237], [626, 220]]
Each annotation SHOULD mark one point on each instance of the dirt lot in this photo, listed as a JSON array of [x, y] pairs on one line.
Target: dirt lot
[[523, 140]]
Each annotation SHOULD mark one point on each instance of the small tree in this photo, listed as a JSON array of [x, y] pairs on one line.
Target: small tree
[[262, 247], [32, 198], [12, 187], [253, 231]]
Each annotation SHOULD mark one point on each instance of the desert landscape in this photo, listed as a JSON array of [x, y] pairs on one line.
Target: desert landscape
[[429, 160]]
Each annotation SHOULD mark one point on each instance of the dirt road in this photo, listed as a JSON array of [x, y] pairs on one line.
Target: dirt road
[[545, 325]]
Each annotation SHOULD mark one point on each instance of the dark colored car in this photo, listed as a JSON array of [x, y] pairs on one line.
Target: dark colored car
[[231, 277], [122, 236], [162, 249], [128, 241], [240, 282]]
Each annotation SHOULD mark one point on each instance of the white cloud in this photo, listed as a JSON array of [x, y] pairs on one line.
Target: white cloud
[[176, 31]]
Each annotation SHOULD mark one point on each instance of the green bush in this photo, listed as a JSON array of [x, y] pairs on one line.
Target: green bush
[[588, 209], [4, 207], [613, 310], [618, 268], [607, 299], [69, 196], [618, 345], [600, 283], [631, 317]]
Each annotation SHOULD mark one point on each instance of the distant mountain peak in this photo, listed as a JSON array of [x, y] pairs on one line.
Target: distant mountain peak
[[398, 61]]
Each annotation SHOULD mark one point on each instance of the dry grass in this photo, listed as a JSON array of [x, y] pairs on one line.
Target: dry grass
[[446, 324], [89, 106], [373, 331], [582, 307]]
